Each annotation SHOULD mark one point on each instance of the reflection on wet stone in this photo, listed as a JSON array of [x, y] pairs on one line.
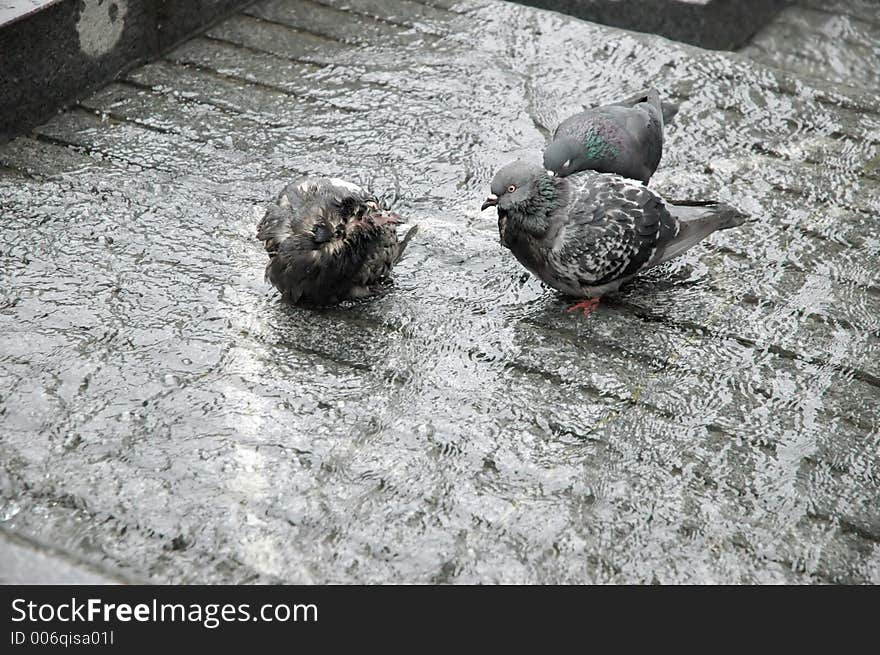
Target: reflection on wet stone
[[165, 415]]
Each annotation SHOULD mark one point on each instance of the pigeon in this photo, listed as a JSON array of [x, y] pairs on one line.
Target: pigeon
[[588, 233], [329, 240], [624, 138]]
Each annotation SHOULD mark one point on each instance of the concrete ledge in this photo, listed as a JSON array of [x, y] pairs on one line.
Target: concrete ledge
[[715, 24], [58, 51]]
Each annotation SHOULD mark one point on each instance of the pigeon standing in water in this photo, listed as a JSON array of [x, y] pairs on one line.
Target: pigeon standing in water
[[329, 240], [624, 138], [588, 233]]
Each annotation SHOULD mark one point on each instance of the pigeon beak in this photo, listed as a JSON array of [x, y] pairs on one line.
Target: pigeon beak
[[491, 201]]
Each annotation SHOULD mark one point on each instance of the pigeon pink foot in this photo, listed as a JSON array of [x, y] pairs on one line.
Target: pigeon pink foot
[[587, 306]]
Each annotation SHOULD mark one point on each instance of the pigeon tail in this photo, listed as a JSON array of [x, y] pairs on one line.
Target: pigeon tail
[[402, 245], [669, 110], [650, 95], [696, 221]]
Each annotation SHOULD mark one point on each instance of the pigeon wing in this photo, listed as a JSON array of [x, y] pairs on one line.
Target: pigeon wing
[[301, 202], [610, 229], [286, 216], [576, 125]]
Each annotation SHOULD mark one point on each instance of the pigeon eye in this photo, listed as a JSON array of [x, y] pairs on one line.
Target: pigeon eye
[[511, 188]]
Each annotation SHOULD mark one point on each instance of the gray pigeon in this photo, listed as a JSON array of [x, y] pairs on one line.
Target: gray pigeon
[[329, 240], [588, 233], [624, 138]]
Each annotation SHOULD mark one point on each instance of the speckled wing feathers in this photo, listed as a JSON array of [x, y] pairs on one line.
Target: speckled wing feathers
[[609, 229]]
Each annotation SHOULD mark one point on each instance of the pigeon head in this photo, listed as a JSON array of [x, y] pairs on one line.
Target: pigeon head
[[519, 185], [563, 156], [329, 232]]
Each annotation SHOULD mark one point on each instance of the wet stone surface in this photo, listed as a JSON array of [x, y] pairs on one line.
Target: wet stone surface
[[24, 561], [163, 412]]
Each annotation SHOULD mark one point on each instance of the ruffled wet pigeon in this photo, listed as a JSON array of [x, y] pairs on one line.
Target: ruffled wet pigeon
[[624, 138], [329, 240], [588, 233]]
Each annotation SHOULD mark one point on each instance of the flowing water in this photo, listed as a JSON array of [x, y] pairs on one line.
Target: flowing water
[[162, 413]]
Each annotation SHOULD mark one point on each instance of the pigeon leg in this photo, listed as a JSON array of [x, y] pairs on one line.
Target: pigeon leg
[[587, 306]]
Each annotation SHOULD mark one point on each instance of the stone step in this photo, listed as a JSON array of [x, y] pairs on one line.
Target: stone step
[[830, 43], [25, 561], [55, 52], [715, 24]]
